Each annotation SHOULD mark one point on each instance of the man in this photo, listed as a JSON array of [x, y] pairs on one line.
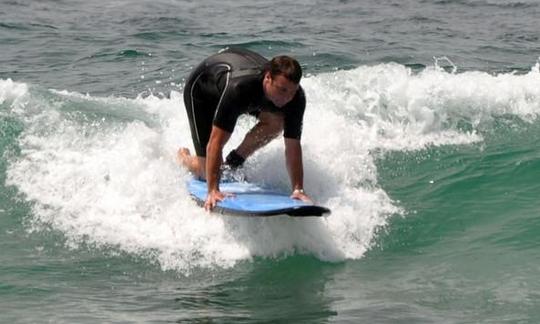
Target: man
[[233, 82]]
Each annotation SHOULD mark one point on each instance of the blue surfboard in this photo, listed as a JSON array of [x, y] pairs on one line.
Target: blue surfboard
[[249, 199]]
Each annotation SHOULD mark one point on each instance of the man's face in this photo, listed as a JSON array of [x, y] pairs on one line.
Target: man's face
[[279, 90]]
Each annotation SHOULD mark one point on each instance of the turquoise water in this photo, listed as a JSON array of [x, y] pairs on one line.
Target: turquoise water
[[420, 134]]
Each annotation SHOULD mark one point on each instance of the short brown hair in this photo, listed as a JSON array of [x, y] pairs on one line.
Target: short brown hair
[[286, 66]]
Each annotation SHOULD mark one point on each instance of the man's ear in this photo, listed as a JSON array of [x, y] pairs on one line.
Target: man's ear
[[267, 76]]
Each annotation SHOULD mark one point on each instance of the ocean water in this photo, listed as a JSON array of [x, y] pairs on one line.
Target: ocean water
[[421, 134]]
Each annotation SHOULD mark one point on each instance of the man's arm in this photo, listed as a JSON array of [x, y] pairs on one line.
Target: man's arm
[[293, 156], [268, 128], [214, 158]]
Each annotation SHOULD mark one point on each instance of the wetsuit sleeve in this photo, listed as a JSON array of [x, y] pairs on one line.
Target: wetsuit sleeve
[[294, 116]]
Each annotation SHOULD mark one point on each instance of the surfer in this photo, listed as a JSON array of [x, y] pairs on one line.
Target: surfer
[[233, 82]]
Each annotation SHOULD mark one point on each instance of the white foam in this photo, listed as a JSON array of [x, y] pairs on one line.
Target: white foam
[[116, 183], [11, 90]]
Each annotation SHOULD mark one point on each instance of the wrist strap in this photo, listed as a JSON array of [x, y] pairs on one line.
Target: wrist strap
[[234, 160]]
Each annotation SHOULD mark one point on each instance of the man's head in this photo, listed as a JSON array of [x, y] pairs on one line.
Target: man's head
[[281, 79]]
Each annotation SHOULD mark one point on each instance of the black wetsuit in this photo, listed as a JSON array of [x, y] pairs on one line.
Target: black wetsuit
[[228, 84]]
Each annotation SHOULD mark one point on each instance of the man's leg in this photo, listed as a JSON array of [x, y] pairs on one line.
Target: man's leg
[[200, 114], [269, 127], [195, 164]]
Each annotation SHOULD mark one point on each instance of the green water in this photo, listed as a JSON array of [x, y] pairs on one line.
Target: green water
[[472, 227], [421, 133]]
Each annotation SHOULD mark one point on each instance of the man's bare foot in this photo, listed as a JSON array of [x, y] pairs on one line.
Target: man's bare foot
[[195, 164], [183, 156]]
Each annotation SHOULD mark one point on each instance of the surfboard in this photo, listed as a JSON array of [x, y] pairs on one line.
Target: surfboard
[[249, 199]]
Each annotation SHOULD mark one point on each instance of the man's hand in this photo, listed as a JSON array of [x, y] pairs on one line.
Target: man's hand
[[214, 197], [301, 195]]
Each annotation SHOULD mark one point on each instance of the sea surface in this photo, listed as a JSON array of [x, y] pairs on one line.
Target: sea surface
[[421, 134]]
